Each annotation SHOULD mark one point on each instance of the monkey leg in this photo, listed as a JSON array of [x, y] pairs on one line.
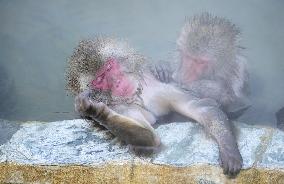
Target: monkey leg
[[216, 123], [136, 132]]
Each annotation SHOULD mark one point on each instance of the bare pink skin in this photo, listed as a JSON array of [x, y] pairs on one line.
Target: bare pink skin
[[194, 67], [110, 77]]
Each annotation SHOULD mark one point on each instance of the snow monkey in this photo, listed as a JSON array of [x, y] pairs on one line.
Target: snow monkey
[[211, 66], [114, 86]]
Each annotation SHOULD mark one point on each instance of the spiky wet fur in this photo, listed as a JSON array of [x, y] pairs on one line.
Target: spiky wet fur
[[90, 55]]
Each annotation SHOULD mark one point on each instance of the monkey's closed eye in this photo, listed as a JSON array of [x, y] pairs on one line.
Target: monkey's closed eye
[[200, 61], [100, 79], [109, 67]]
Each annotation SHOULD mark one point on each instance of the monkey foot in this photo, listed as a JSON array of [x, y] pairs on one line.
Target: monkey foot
[[144, 150], [231, 162]]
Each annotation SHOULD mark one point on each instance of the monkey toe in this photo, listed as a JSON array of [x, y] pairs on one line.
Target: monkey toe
[[233, 169]]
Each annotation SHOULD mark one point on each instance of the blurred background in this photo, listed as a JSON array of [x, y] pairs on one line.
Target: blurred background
[[37, 37]]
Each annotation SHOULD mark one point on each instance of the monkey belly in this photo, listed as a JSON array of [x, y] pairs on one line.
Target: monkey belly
[[158, 97]]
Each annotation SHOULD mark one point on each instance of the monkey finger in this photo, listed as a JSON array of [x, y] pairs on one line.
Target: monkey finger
[[100, 111], [158, 73], [154, 72], [168, 76], [85, 105], [164, 76]]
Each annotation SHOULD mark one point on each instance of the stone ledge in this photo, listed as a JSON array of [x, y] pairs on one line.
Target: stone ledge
[[73, 151], [144, 173]]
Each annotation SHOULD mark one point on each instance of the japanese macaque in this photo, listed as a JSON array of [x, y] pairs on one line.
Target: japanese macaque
[[211, 68], [115, 87], [211, 62]]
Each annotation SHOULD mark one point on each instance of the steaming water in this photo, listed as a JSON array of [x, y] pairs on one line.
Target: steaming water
[[36, 37]]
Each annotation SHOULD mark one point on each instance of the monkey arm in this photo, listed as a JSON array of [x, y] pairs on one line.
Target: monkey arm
[[211, 89], [232, 105], [136, 132], [216, 123]]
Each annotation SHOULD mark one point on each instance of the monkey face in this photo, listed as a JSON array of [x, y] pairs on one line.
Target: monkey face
[[111, 77], [193, 68]]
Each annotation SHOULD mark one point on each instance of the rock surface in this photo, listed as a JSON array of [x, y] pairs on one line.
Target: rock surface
[[186, 148]]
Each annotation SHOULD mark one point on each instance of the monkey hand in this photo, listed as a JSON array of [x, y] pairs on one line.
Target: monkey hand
[[88, 108], [162, 74], [231, 160], [140, 136]]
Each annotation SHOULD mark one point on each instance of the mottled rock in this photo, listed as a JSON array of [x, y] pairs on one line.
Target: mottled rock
[[273, 155], [188, 155], [7, 130], [64, 142]]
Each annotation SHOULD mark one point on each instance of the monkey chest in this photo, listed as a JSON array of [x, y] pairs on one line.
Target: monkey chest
[[155, 99]]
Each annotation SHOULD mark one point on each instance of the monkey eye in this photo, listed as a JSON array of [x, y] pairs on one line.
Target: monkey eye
[[99, 79], [108, 68], [200, 61]]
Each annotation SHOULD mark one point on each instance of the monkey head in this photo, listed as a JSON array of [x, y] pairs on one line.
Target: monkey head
[[108, 67], [208, 48]]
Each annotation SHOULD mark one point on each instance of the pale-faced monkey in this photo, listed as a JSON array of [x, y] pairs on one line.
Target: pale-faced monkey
[[211, 63], [114, 86], [211, 66]]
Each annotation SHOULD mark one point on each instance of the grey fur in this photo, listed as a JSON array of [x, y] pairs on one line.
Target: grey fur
[[218, 39], [90, 55], [132, 122]]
